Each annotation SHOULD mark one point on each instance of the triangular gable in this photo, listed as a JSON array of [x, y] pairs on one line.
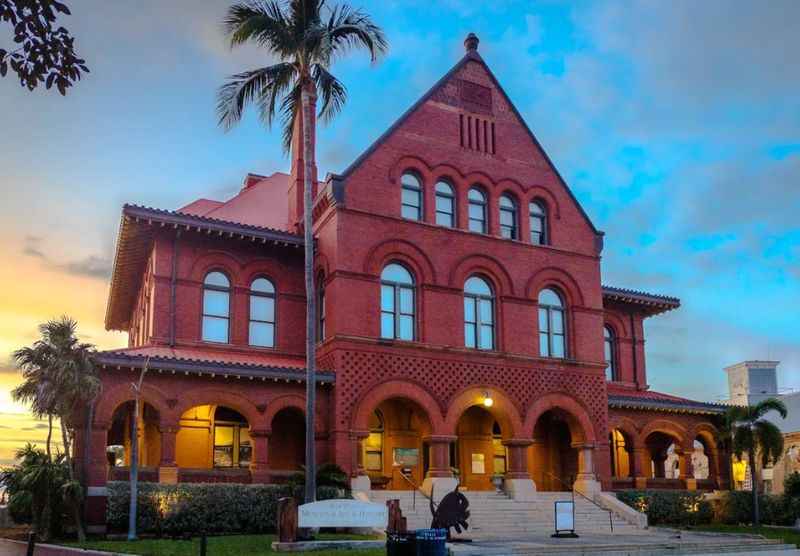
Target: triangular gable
[[471, 55]]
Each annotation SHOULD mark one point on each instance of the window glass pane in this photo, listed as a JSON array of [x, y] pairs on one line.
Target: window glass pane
[[477, 286], [476, 195], [215, 303], [406, 328], [407, 301], [549, 297], [536, 208], [476, 226], [223, 436], [444, 188], [245, 455], [410, 213], [476, 212], [223, 456], [397, 273], [536, 224], [410, 180], [262, 285], [558, 346], [487, 337], [411, 198], [544, 346], [506, 218], [609, 372], [507, 232], [444, 219], [485, 308], [499, 464], [469, 309], [217, 279], [444, 204], [215, 329], [262, 334], [537, 238], [262, 308], [374, 462], [387, 298], [387, 325], [607, 350], [469, 335], [544, 326], [557, 318], [507, 202]]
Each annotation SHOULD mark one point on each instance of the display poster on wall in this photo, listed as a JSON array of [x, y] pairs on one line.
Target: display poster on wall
[[406, 457], [478, 464]]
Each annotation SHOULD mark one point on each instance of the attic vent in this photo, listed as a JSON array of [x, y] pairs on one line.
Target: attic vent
[[477, 134]]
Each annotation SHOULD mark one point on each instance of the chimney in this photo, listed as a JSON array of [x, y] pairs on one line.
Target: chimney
[[298, 168]]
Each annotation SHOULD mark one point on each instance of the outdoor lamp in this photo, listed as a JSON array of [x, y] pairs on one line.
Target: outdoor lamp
[[487, 400]]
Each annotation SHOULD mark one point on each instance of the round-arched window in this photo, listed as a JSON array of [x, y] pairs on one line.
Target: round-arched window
[[262, 313], [445, 205], [411, 197], [477, 210], [552, 335], [216, 307], [397, 303], [478, 314], [509, 223]]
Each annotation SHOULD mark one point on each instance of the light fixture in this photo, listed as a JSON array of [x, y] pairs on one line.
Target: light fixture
[[487, 400]]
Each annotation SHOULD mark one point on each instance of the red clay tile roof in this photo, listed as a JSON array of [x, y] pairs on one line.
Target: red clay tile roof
[[649, 399], [650, 303]]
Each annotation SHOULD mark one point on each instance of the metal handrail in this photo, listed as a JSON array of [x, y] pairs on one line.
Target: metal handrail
[[573, 491], [410, 481]]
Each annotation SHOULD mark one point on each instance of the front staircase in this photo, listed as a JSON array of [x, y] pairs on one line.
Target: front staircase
[[495, 516]]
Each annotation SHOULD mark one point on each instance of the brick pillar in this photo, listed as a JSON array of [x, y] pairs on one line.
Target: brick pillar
[[641, 459], [167, 467], [518, 482], [586, 482], [259, 466], [439, 456], [97, 477], [687, 468]]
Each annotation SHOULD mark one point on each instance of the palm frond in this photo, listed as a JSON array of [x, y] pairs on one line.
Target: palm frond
[[260, 21], [766, 406], [332, 92], [348, 28], [770, 441], [290, 107], [245, 88]]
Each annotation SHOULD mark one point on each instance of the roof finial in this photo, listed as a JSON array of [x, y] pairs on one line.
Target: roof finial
[[471, 42]]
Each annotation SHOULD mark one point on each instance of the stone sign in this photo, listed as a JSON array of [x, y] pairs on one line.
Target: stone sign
[[343, 513]]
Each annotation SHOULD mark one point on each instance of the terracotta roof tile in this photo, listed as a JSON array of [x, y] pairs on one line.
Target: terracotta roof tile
[[649, 399]]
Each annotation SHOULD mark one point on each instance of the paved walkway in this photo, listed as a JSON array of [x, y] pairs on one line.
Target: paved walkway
[[20, 548]]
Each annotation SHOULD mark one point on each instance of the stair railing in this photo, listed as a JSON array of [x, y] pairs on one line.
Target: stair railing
[[571, 488], [415, 487]]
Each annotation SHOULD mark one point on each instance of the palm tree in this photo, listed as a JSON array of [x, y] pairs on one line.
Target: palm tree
[[754, 434], [304, 37], [59, 379]]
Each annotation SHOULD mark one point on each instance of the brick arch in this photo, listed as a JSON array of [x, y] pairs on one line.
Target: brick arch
[[405, 252], [558, 278], [216, 395], [403, 389], [482, 264], [580, 422], [230, 264], [537, 192], [481, 179], [275, 271], [707, 432], [677, 432], [413, 163], [290, 401], [507, 185], [504, 409], [617, 324], [121, 393], [626, 425]]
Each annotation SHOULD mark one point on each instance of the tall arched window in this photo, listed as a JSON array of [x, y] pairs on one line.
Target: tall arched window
[[538, 216], [445, 205], [552, 338], [397, 303], [216, 307], [609, 348], [478, 314], [477, 210], [509, 225], [411, 197], [262, 313]]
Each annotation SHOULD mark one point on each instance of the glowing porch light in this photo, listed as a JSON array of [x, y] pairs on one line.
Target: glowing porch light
[[487, 400]]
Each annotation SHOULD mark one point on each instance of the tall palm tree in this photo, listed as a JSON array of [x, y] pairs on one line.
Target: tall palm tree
[[304, 37], [59, 379], [755, 435]]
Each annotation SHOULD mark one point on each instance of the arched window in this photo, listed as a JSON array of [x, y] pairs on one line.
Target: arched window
[[445, 205], [477, 210], [551, 325], [478, 314], [373, 446], [216, 307], [609, 348], [262, 313], [397, 303], [509, 225], [538, 216], [411, 197], [321, 308]]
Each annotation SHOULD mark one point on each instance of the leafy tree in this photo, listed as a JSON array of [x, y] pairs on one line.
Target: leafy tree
[[59, 380], [755, 435], [306, 37], [45, 54]]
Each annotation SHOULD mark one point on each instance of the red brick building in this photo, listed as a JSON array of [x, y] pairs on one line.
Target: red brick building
[[464, 331]]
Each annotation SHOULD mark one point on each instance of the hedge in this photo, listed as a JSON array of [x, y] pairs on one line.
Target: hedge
[[669, 507], [737, 507], [194, 508]]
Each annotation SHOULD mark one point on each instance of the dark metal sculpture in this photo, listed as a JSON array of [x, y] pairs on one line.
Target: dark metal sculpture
[[452, 511]]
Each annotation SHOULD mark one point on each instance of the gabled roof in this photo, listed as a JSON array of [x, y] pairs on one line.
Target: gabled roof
[[471, 55], [629, 398], [651, 304]]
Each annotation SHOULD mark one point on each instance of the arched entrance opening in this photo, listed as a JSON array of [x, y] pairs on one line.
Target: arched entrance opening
[[621, 454], [286, 447], [663, 456], [118, 440], [395, 455], [479, 453], [213, 437], [555, 461]]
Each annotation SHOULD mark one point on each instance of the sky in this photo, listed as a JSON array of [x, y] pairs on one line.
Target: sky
[[676, 124]]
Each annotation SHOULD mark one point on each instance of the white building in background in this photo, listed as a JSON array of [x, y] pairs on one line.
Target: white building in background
[[750, 382]]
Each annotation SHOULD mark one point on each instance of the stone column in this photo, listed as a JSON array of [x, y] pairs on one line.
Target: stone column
[[97, 477], [359, 480], [439, 478], [518, 482], [640, 462], [259, 466], [586, 482], [167, 467]]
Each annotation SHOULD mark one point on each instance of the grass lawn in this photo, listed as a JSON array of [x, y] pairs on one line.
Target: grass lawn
[[234, 545], [786, 534]]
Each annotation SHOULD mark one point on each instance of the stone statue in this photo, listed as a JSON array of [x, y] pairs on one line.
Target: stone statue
[[700, 463]]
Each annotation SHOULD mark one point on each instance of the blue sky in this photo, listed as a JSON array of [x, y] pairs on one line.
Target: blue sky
[[677, 125]]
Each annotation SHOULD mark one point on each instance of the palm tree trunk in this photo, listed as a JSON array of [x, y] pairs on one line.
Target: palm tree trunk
[[134, 470], [44, 529], [49, 436], [75, 504], [87, 449], [752, 461], [311, 325]]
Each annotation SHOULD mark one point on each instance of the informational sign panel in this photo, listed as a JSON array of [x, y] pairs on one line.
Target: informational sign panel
[[565, 516], [406, 457], [478, 464], [343, 513]]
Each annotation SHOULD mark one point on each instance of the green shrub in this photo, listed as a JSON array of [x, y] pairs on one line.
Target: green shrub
[[791, 485], [195, 508], [737, 507], [669, 507]]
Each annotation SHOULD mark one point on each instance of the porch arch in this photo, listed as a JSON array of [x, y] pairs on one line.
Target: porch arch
[[503, 410], [581, 427], [217, 396], [401, 389], [121, 393]]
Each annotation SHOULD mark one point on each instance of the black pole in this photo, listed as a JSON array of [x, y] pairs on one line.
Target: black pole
[[203, 545], [31, 543]]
